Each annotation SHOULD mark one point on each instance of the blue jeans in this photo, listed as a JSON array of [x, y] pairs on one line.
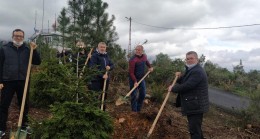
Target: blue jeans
[[137, 100]]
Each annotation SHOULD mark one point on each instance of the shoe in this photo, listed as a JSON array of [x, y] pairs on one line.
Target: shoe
[[2, 133], [27, 129]]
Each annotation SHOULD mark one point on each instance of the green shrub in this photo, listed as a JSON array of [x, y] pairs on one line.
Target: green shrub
[[74, 120], [157, 92], [58, 83]]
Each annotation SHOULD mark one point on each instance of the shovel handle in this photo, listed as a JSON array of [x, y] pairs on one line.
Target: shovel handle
[[160, 111], [86, 62], [25, 88], [103, 93], [129, 93]]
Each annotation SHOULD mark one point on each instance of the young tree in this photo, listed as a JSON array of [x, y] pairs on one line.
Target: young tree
[[90, 23], [64, 22]]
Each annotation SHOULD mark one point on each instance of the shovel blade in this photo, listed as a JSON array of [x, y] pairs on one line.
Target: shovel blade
[[16, 135], [121, 101]]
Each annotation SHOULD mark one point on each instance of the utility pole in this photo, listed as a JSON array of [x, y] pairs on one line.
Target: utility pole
[[129, 45], [42, 15], [74, 21]]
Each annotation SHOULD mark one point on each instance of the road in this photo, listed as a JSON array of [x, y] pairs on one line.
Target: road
[[227, 99]]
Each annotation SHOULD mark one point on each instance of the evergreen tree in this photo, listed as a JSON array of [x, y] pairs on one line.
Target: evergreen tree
[[90, 23]]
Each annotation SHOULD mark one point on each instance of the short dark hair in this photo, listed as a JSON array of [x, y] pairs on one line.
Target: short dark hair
[[18, 30], [192, 52]]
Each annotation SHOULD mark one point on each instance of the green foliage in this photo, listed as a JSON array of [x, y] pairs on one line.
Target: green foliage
[[157, 92], [75, 120], [252, 114], [90, 23], [165, 68], [58, 83], [219, 77]]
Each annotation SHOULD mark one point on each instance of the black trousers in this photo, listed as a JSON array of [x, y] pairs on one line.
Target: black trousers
[[195, 122], [7, 94], [97, 86]]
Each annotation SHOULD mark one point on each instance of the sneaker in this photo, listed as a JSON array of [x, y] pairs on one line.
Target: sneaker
[[2, 133], [27, 129]]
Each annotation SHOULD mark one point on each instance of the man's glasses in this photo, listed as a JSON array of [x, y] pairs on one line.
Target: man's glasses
[[18, 36], [192, 58]]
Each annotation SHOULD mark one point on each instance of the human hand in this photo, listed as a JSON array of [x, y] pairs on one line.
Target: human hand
[[89, 55], [105, 76], [136, 84], [33, 45], [1, 86], [170, 88], [178, 74], [151, 69], [107, 67]]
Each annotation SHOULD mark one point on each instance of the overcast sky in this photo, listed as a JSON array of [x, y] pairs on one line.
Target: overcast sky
[[154, 20]]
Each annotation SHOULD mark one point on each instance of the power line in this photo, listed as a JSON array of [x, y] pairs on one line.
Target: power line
[[200, 28]]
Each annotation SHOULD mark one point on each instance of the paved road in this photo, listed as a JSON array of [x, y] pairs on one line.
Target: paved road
[[227, 100]]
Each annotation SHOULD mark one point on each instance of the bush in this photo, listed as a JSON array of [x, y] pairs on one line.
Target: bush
[[157, 92], [74, 120], [58, 83]]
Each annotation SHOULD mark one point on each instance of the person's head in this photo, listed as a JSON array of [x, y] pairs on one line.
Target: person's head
[[192, 58], [102, 47], [139, 49], [80, 44], [18, 37]]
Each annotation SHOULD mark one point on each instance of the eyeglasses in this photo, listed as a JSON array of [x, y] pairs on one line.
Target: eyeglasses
[[18, 36], [192, 58]]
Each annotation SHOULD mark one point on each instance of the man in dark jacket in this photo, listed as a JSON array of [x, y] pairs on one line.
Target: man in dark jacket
[[79, 57], [14, 59], [192, 89], [102, 62], [136, 72]]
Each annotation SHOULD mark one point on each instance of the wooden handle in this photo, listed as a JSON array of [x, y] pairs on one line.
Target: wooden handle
[[25, 88], [160, 111], [129, 93], [86, 62], [103, 93]]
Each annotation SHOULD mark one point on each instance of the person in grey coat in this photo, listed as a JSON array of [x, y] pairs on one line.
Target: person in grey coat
[[192, 89]]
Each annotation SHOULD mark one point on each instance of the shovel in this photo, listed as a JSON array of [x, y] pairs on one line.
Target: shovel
[[103, 93], [160, 111], [81, 73], [18, 134], [86, 62], [121, 101]]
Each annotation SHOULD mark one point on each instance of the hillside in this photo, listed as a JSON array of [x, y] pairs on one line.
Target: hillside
[[217, 124]]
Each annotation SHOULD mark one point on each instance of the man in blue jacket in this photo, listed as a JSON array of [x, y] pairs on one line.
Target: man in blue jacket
[[192, 89], [102, 62], [14, 59]]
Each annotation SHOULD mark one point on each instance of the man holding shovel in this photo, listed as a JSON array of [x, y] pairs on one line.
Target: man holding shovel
[[101, 60], [136, 71], [192, 89], [14, 60]]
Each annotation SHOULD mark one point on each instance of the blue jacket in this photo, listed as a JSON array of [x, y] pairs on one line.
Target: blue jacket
[[101, 61], [192, 88]]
